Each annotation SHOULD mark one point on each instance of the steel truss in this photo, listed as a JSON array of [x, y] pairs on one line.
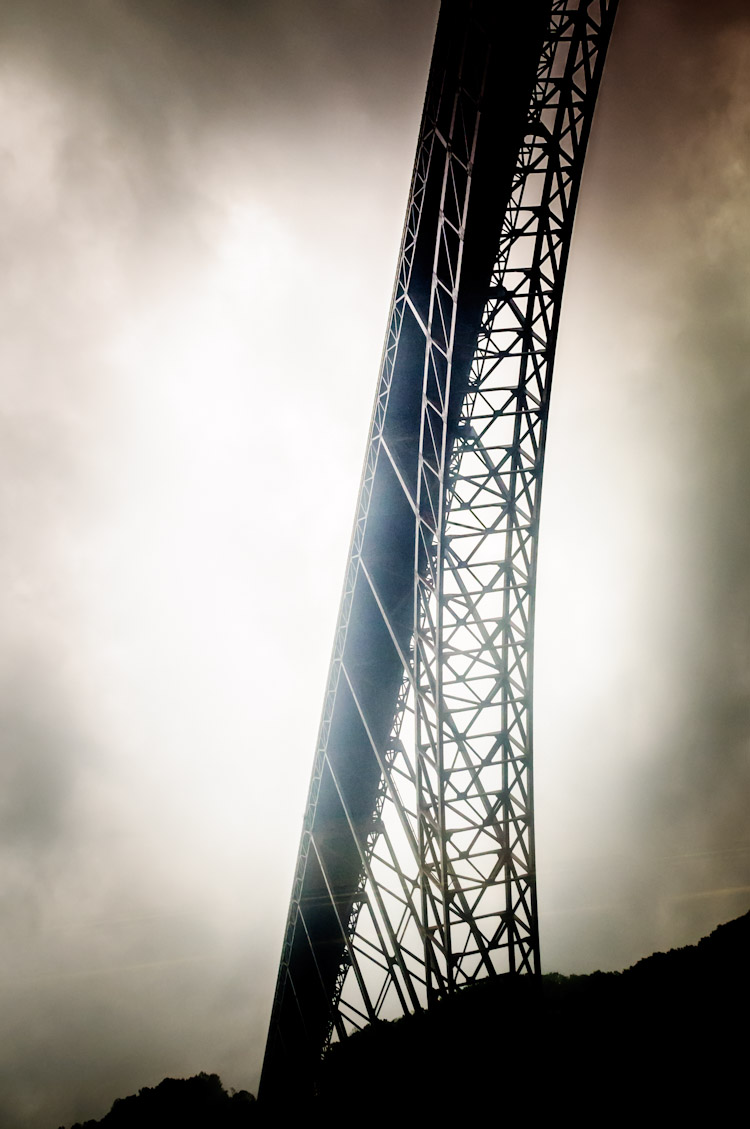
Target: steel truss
[[416, 872]]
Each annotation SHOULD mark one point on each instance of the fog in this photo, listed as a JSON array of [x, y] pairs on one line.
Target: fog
[[202, 206], [643, 629]]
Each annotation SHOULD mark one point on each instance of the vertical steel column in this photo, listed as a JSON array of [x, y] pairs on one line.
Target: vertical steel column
[[459, 146]]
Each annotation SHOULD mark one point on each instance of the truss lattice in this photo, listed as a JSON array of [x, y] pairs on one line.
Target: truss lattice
[[416, 872]]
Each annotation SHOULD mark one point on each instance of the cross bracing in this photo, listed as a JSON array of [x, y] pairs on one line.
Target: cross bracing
[[416, 870]]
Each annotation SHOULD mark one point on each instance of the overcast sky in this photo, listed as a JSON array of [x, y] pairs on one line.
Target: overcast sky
[[201, 210]]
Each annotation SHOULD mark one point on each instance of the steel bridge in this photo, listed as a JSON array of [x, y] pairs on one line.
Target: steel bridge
[[416, 869]]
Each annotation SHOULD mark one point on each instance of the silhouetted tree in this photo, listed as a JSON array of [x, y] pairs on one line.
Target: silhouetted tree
[[656, 1043], [200, 1102]]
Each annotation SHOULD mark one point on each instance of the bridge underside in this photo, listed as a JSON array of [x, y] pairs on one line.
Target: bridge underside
[[416, 870]]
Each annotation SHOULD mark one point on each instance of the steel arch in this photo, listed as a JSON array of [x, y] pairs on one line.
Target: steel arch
[[416, 870]]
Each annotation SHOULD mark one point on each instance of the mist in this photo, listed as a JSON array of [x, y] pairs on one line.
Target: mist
[[202, 207], [642, 643], [189, 346]]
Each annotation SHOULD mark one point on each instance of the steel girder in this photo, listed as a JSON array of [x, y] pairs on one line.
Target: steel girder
[[416, 870]]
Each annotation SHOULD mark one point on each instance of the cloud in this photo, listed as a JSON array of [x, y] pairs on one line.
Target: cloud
[[197, 200], [181, 200], [649, 768]]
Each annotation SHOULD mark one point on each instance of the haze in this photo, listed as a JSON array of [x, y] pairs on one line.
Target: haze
[[202, 205]]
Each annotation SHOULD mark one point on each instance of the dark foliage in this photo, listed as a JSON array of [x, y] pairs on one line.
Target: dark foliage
[[186, 1103], [664, 1039], [662, 1042]]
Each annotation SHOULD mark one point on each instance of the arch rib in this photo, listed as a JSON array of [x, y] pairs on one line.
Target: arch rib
[[421, 877]]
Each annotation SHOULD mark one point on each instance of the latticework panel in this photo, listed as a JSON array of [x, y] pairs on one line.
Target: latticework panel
[[416, 870], [454, 864]]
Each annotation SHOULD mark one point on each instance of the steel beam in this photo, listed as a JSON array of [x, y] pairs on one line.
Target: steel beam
[[416, 871]]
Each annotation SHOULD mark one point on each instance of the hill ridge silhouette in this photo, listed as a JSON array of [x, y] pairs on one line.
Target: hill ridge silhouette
[[663, 1038]]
